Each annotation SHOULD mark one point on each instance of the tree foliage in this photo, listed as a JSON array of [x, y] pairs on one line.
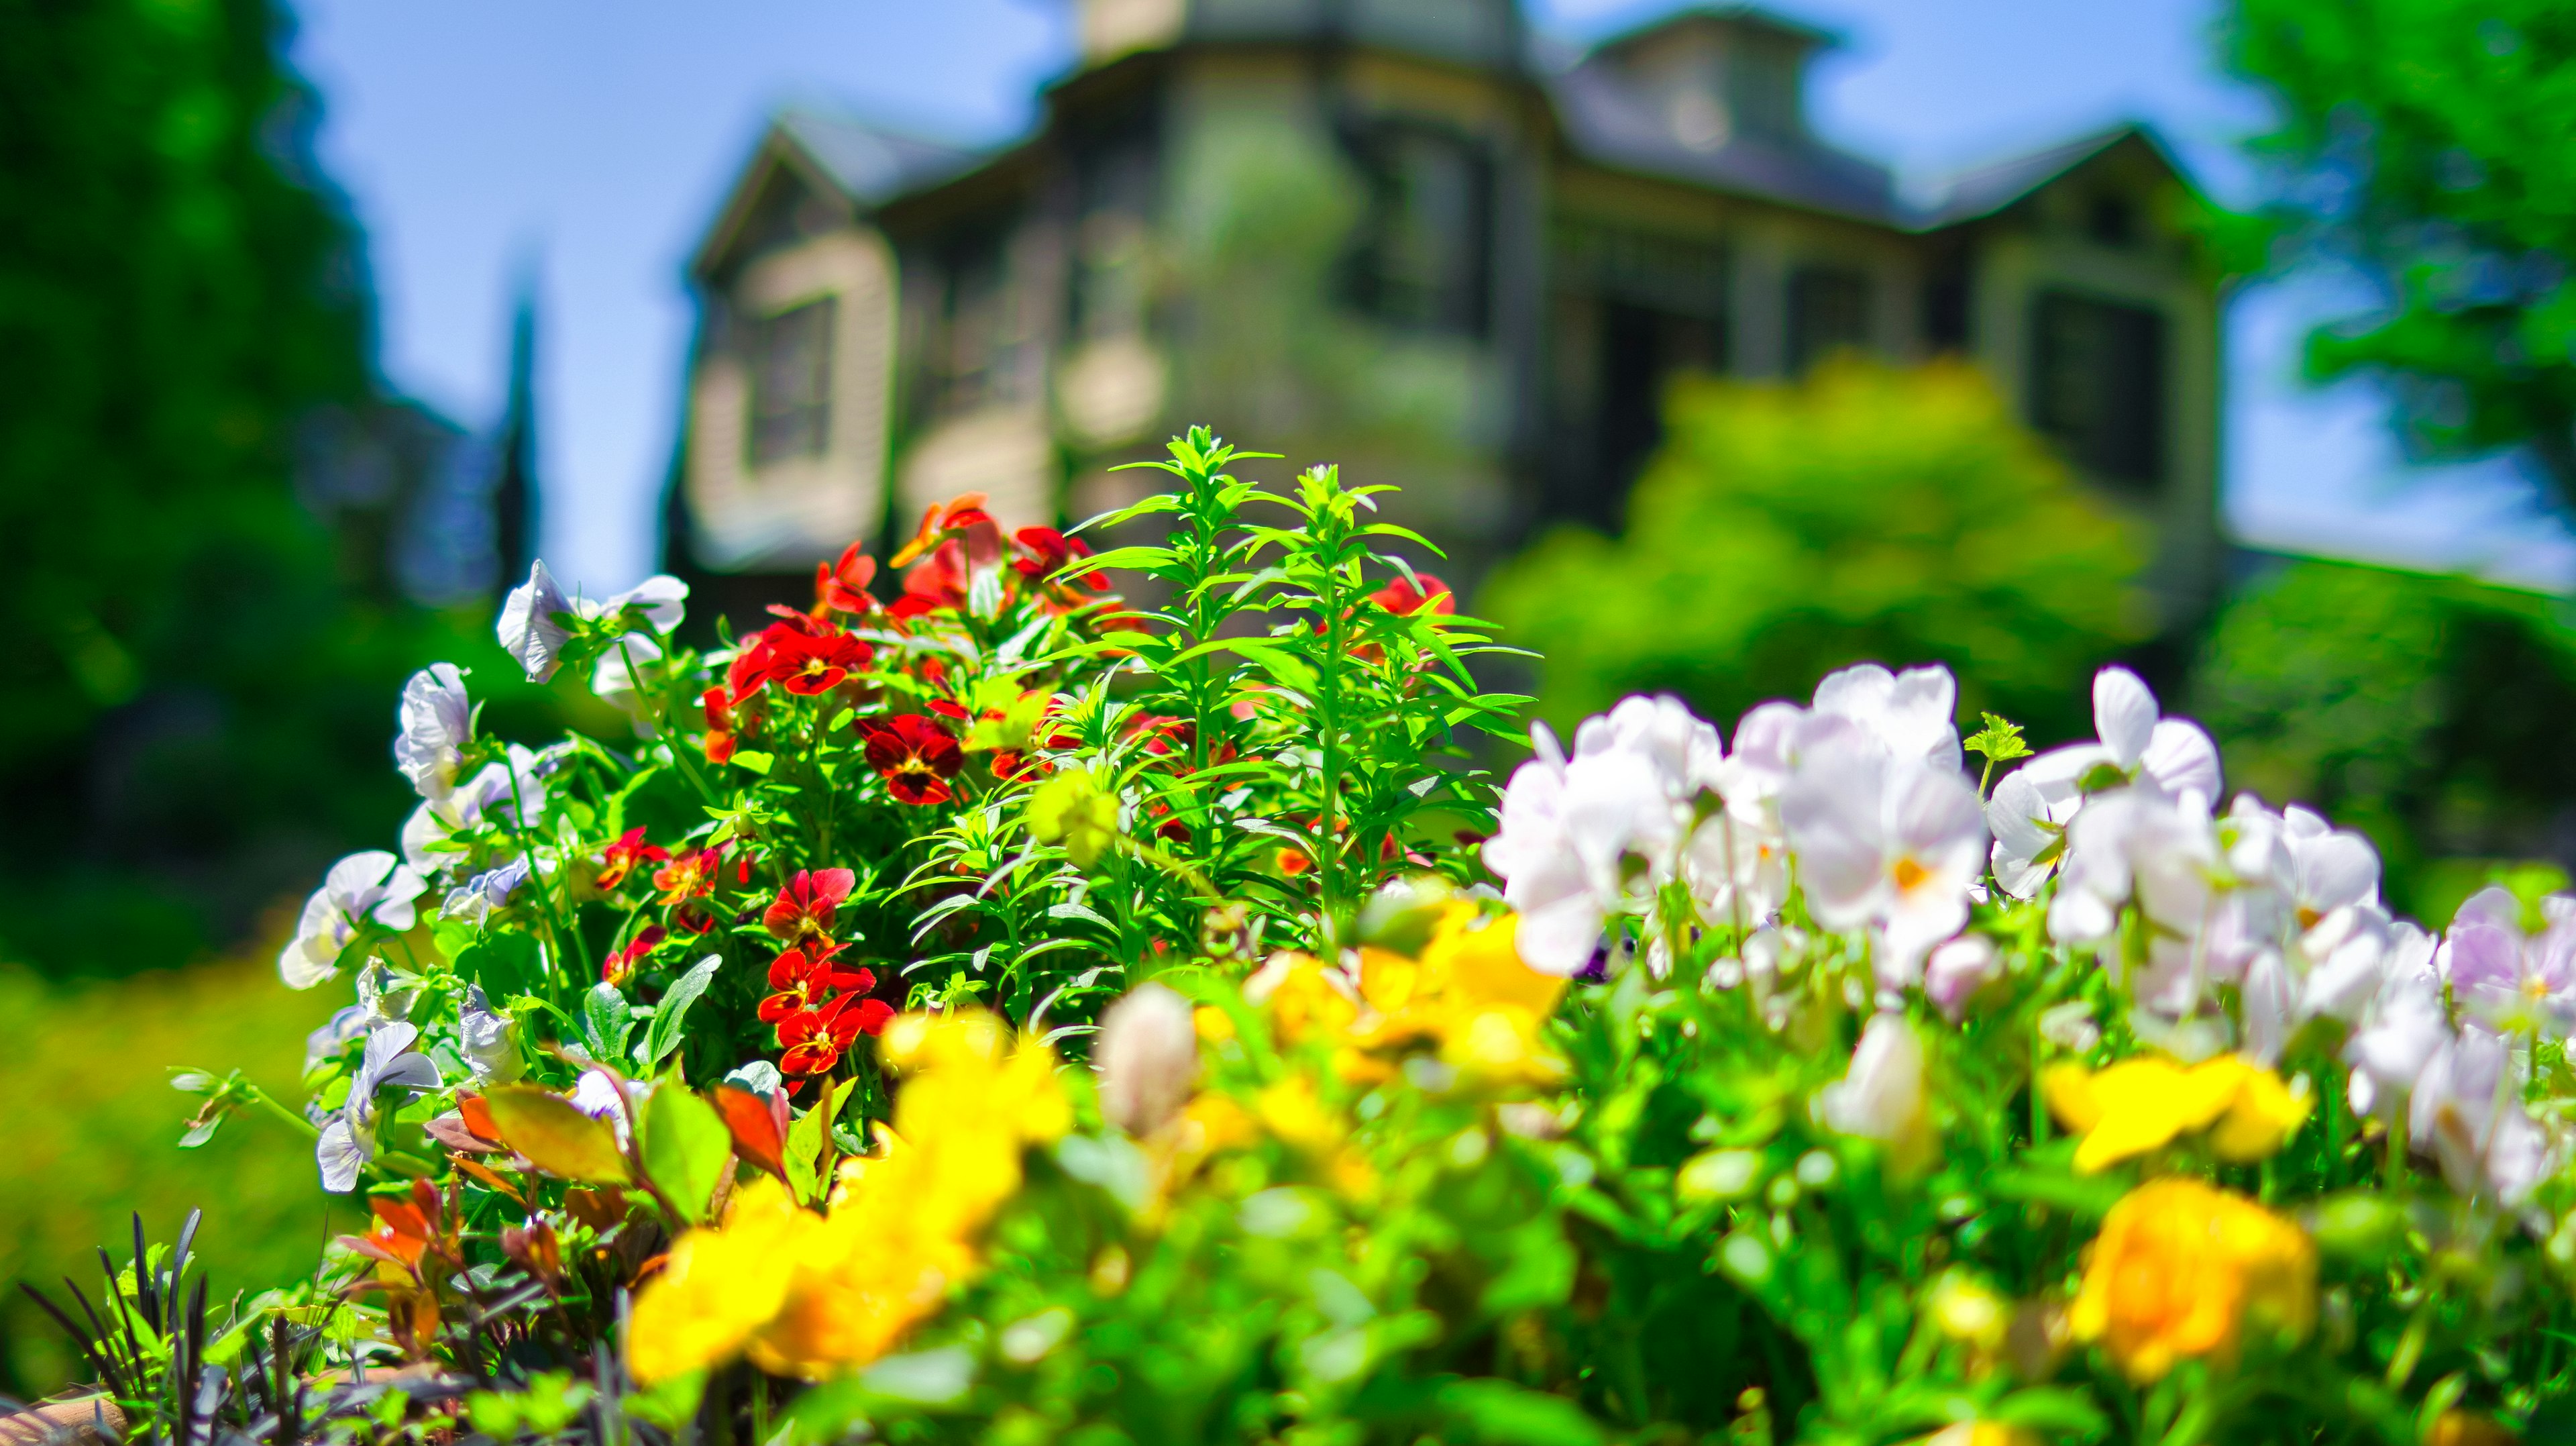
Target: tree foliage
[[190, 713], [2426, 142], [2430, 712], [1783, 532]]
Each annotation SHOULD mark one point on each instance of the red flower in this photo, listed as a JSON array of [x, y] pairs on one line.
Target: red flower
[[621, 857], [1404, 599], [843, 586], [803, 981], [721, 737], [958, 541], [619, 967], [691, 875], [1047, 551], [805, 664], [915, 756], [814, 1039], [805, 908], [819, 1009], [961, 516]]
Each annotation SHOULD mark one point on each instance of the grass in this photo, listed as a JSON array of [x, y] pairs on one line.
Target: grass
[[89, 1132]]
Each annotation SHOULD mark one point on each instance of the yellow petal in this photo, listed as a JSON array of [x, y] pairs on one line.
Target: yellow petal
[[2264, 1114]]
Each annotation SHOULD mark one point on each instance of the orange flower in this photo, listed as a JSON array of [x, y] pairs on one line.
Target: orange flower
[[2181, 1267]]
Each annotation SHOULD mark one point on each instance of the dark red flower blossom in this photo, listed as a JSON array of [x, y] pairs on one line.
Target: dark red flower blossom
[[1047, 551], [806, 907], [1404, 599], [619, 967], [622, 857], [915, 756]]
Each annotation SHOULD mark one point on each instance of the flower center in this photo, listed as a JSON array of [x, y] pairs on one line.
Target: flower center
[[1909, 874]]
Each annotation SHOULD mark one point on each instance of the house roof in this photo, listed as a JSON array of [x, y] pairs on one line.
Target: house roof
[[1608, 121], [1986, 190], [867, 165], [873, 164], [1748, 17]]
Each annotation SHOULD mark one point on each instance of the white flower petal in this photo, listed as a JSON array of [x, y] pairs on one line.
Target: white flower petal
[[2124, 715]]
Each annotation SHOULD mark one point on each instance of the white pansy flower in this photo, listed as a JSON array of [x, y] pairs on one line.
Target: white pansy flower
[[510, 791], [437, 721], [660, 598], [2467, 1113], [531, 629], [1891, 843], [1913, 714], [370, 887], [348, 1139], [1881, 1096], [2401, 1027], [1569, 827]]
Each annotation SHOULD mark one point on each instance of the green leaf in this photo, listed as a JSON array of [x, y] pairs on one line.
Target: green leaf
[[686, 1149], [664, 1037], [607, 1019], [2000, 741], [555, 1137], [753, 760], [504, 964], [1501, 1414]]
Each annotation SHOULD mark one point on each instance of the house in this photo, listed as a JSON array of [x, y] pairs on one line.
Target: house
[[1395, 235]]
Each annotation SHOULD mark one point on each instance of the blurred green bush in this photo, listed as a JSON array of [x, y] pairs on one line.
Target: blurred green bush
[[1869, 513], [92, 1129], [2435, 713]]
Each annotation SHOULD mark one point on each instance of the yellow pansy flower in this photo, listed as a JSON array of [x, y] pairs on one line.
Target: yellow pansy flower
[[814, 1295], [2181, 1267], [2146, 1103]]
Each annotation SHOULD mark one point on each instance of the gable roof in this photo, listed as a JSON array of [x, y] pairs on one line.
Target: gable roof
[[1982, 192], [873, 164], [863, 164]]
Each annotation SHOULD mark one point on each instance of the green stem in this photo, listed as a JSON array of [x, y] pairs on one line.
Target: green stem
[[297, 1122]]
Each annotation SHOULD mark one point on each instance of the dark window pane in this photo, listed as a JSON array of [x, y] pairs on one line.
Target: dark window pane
[[791, 383], [2097, 385], [1423, 258], [1828, 311]]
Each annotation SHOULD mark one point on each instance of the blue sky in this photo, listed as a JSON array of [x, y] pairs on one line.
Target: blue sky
[[592, 139]]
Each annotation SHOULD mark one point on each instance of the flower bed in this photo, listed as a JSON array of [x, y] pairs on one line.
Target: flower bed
[[1015, 1013]]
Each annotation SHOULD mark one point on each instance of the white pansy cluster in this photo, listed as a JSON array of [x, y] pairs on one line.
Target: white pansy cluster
[[1851, 829]]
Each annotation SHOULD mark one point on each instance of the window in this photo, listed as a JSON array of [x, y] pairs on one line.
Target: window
[[2112, 221], [977, 355], [791, 383], [1828, 311], [1424, 253], [2097, 385]]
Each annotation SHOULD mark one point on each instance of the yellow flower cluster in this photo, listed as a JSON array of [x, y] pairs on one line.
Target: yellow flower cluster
[[1467, 997], [810, 1295], [2144, 1104], [2181, 1267]]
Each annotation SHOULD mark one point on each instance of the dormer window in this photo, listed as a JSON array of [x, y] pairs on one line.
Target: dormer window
[[791, 383]]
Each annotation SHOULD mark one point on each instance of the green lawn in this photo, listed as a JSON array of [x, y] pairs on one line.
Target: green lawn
[[89, 1131]]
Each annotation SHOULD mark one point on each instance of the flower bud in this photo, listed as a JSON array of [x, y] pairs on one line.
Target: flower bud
[[1148, 1058]]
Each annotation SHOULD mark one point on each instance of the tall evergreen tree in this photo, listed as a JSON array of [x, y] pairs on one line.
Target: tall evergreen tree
[[190, 699]]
